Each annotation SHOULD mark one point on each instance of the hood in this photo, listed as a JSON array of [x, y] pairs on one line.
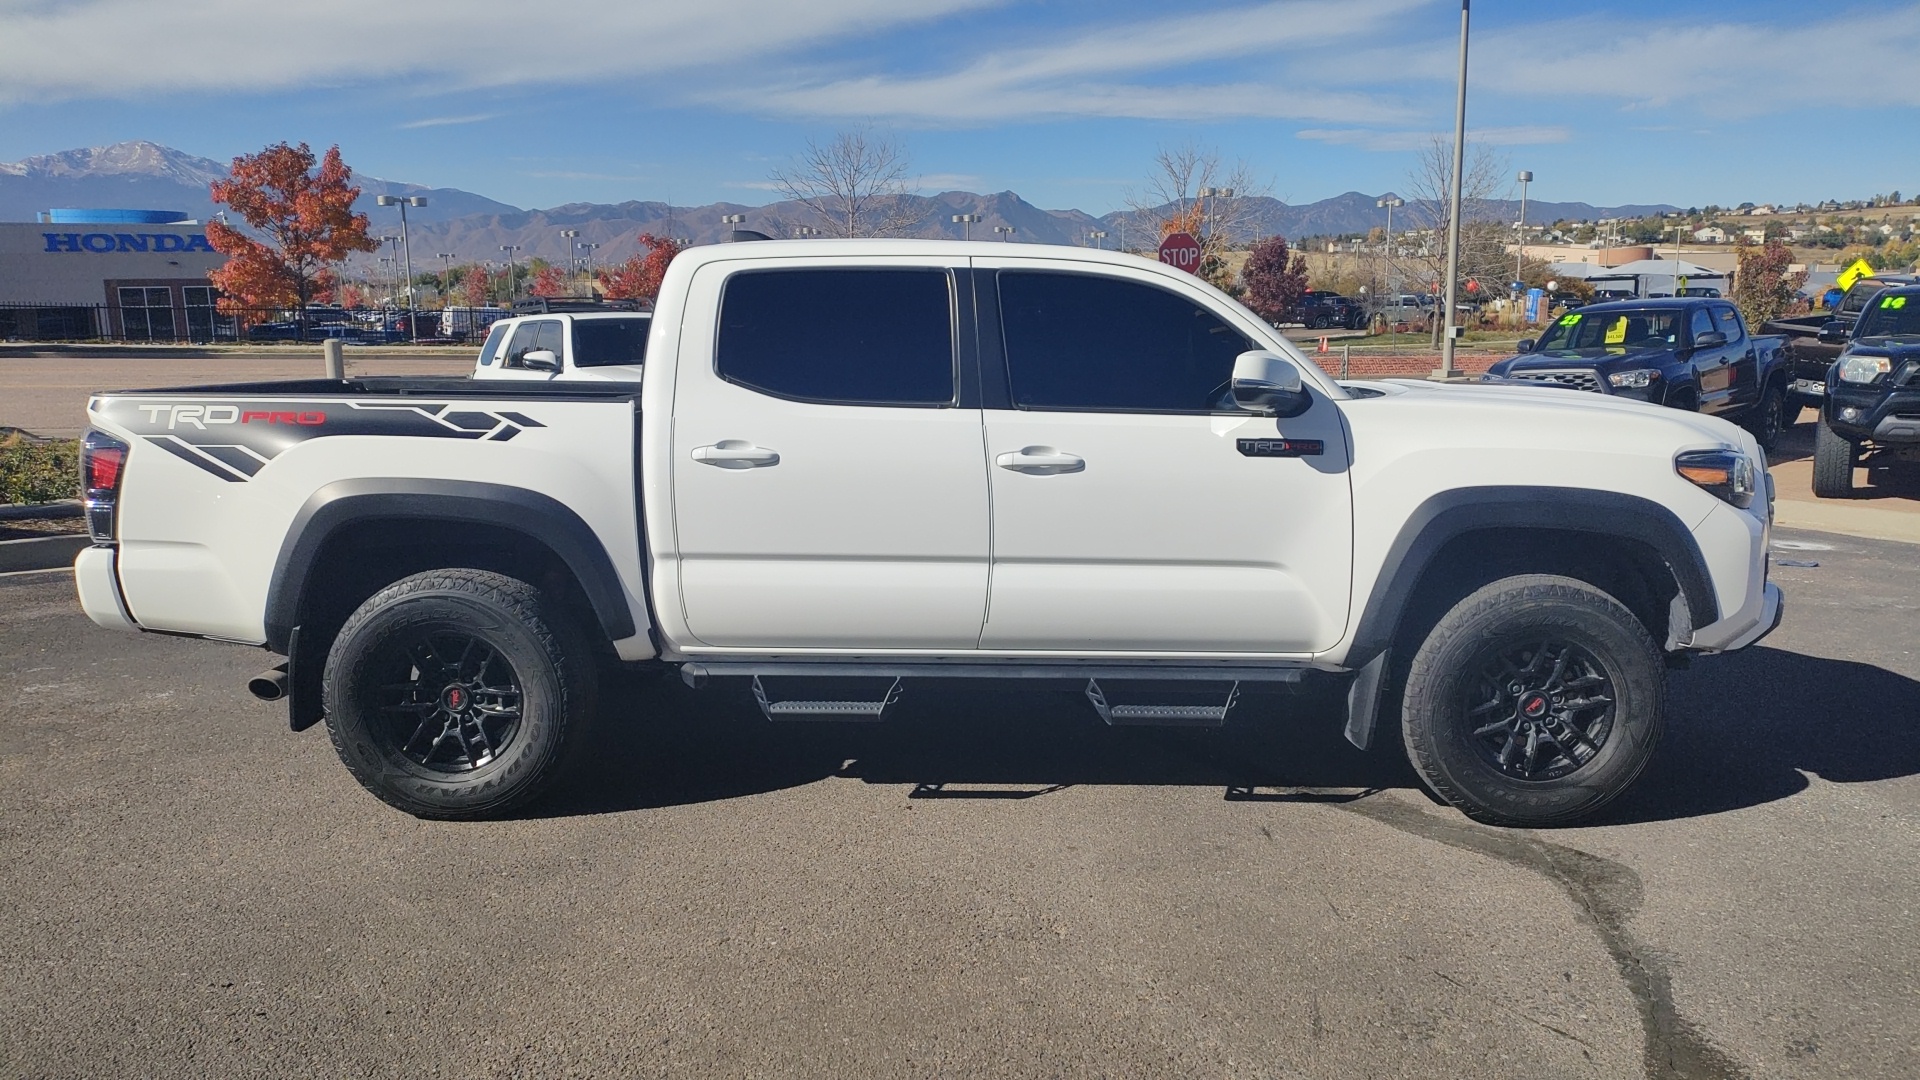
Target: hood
[[1505, 404], [1902, 347], [1566, 358]]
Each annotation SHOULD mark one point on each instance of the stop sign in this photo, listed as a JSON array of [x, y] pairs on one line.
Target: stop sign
[[1181, 252]]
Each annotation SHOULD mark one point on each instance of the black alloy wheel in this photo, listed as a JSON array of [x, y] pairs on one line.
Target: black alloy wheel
[[1769, 417], [451, 701], [1542, 710], [459, 693]]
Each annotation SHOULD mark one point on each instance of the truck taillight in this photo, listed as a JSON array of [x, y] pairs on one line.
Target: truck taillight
[[103, 461]]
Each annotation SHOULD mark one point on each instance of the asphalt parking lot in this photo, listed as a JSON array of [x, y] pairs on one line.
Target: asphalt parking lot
[[992, 885]]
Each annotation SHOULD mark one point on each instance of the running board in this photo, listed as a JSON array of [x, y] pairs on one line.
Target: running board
[[695, 673], [824, 710], [1160, 715]]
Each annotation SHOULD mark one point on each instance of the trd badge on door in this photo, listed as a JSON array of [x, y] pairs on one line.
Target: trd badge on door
[[1282, 447]]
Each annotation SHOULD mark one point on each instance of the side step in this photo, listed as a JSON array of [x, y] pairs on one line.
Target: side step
[[1160, 715], [825, 710]]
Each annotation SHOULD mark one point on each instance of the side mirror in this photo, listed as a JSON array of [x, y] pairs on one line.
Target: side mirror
[[1834, 332], [1524, 345], [540, 360], [1712, 339], [1268, 385]]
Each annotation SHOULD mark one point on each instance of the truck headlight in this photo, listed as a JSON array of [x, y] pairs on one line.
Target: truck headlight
[[1728, 474], [1864, 369], [1638, 379]]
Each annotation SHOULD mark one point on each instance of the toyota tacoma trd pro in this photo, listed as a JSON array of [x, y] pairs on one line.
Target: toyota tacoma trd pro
[[900, 462]]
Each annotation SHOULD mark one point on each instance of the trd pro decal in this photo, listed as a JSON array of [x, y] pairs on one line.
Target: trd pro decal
[[235, 439]]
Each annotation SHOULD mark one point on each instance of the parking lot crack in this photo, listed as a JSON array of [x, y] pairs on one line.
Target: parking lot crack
[[1605, 895]]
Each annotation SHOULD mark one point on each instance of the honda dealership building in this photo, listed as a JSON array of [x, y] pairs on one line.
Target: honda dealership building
[[126, 274]]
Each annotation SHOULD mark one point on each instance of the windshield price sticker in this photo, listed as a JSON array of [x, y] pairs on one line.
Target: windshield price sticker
[[1893, 301], [1569, 320], [1617, 332]]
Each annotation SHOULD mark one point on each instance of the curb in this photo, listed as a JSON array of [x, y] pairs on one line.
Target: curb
[[65, 508], [41, 552], [1866, 522]]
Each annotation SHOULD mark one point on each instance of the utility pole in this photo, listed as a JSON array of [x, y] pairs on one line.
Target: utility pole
[[1447, 369]]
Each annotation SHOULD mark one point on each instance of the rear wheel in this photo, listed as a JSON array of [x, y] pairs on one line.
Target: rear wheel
[[1834, 457], [1768, 417], [1534, 701], [457, 694]]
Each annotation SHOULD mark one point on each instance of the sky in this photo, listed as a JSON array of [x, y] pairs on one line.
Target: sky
[[1064, 101]]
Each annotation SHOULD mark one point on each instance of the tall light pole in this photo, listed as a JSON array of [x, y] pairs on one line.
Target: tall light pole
[[406, 247], [965, 221], [446, 274], [1210, 194], [1005, 231], [1447, 368], [733, 219], [1098, 238], [1388, 202], [589, 248], [571, 236], [513, 284], [1520, 249], [805, 231]]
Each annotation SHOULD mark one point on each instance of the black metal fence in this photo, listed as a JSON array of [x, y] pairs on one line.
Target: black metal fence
[[175, 323]]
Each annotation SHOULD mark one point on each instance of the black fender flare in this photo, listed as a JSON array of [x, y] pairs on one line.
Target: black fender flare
[[1451, 514], [541, 518]]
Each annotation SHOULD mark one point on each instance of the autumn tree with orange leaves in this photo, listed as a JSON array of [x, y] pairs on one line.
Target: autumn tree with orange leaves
[[639, 277], [476, 286], [302, 223], [550, 281]]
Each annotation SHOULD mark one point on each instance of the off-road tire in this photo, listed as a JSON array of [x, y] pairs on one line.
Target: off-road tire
[[1513, 615], [1834, 457], [543, 651], [1768, 418]]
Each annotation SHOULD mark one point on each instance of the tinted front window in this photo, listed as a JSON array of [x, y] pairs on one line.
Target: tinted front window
[[606, 342], [1702, 322], [553, 338], [524, 336], [874, 337], [1730, 323], [1614, 330], [1077, 341]]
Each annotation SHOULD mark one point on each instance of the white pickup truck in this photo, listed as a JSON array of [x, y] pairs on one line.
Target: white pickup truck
[[567, 342], [897, 462]]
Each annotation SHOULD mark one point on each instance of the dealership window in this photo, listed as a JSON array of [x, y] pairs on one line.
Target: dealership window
[[204, 323], [147, 313]]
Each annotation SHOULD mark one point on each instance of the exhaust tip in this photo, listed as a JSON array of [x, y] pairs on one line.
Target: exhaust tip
[[269, 685]]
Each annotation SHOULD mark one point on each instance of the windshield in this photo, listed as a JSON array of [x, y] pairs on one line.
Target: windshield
[[1612, 331], [606, 342], [1891, 316]]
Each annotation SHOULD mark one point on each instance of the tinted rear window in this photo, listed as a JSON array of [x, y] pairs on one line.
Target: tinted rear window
[[606, 342], [870, 337]]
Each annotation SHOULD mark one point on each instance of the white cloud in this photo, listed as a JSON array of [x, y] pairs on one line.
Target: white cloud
[[124, 48], [448, 121], [1096, 73], [1413, 140], [946, 182]]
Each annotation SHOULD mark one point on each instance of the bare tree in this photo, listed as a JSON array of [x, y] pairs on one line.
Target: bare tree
[[1170, 201], [1422, 258], [855, 185]]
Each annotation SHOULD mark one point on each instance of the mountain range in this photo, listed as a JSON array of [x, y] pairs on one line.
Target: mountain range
[[473, 227]]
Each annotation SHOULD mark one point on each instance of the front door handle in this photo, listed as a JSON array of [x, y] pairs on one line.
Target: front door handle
[[735, 454], [1040, 461]]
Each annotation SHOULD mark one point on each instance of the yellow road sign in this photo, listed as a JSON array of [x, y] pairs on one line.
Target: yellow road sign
[[1853, 273]]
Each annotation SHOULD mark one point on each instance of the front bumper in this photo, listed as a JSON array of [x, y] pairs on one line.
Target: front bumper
[[1880, 414]]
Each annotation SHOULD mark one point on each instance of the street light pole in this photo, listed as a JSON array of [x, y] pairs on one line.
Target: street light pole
[[513, 283], [1388, 202], [572, 237], [406, 247], [1447, 368], [1099, 239], [446, 274], [966, 221], [1519, 251], [1005, 231]]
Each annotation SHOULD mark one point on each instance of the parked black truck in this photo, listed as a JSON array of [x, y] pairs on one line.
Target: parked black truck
[[1690, 353], [1872, 410], [1814, 341]]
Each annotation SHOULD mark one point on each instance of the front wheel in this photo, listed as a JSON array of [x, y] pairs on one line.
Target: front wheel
[[457, 694], [1834, 458], [1534, 701]]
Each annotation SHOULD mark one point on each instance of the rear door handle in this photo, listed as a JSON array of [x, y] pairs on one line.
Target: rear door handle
[[1040, 461], [735, 454]]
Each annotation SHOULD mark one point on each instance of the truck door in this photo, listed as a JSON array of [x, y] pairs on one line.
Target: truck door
[[828, 488], [1743, 360], [1135, 510]]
